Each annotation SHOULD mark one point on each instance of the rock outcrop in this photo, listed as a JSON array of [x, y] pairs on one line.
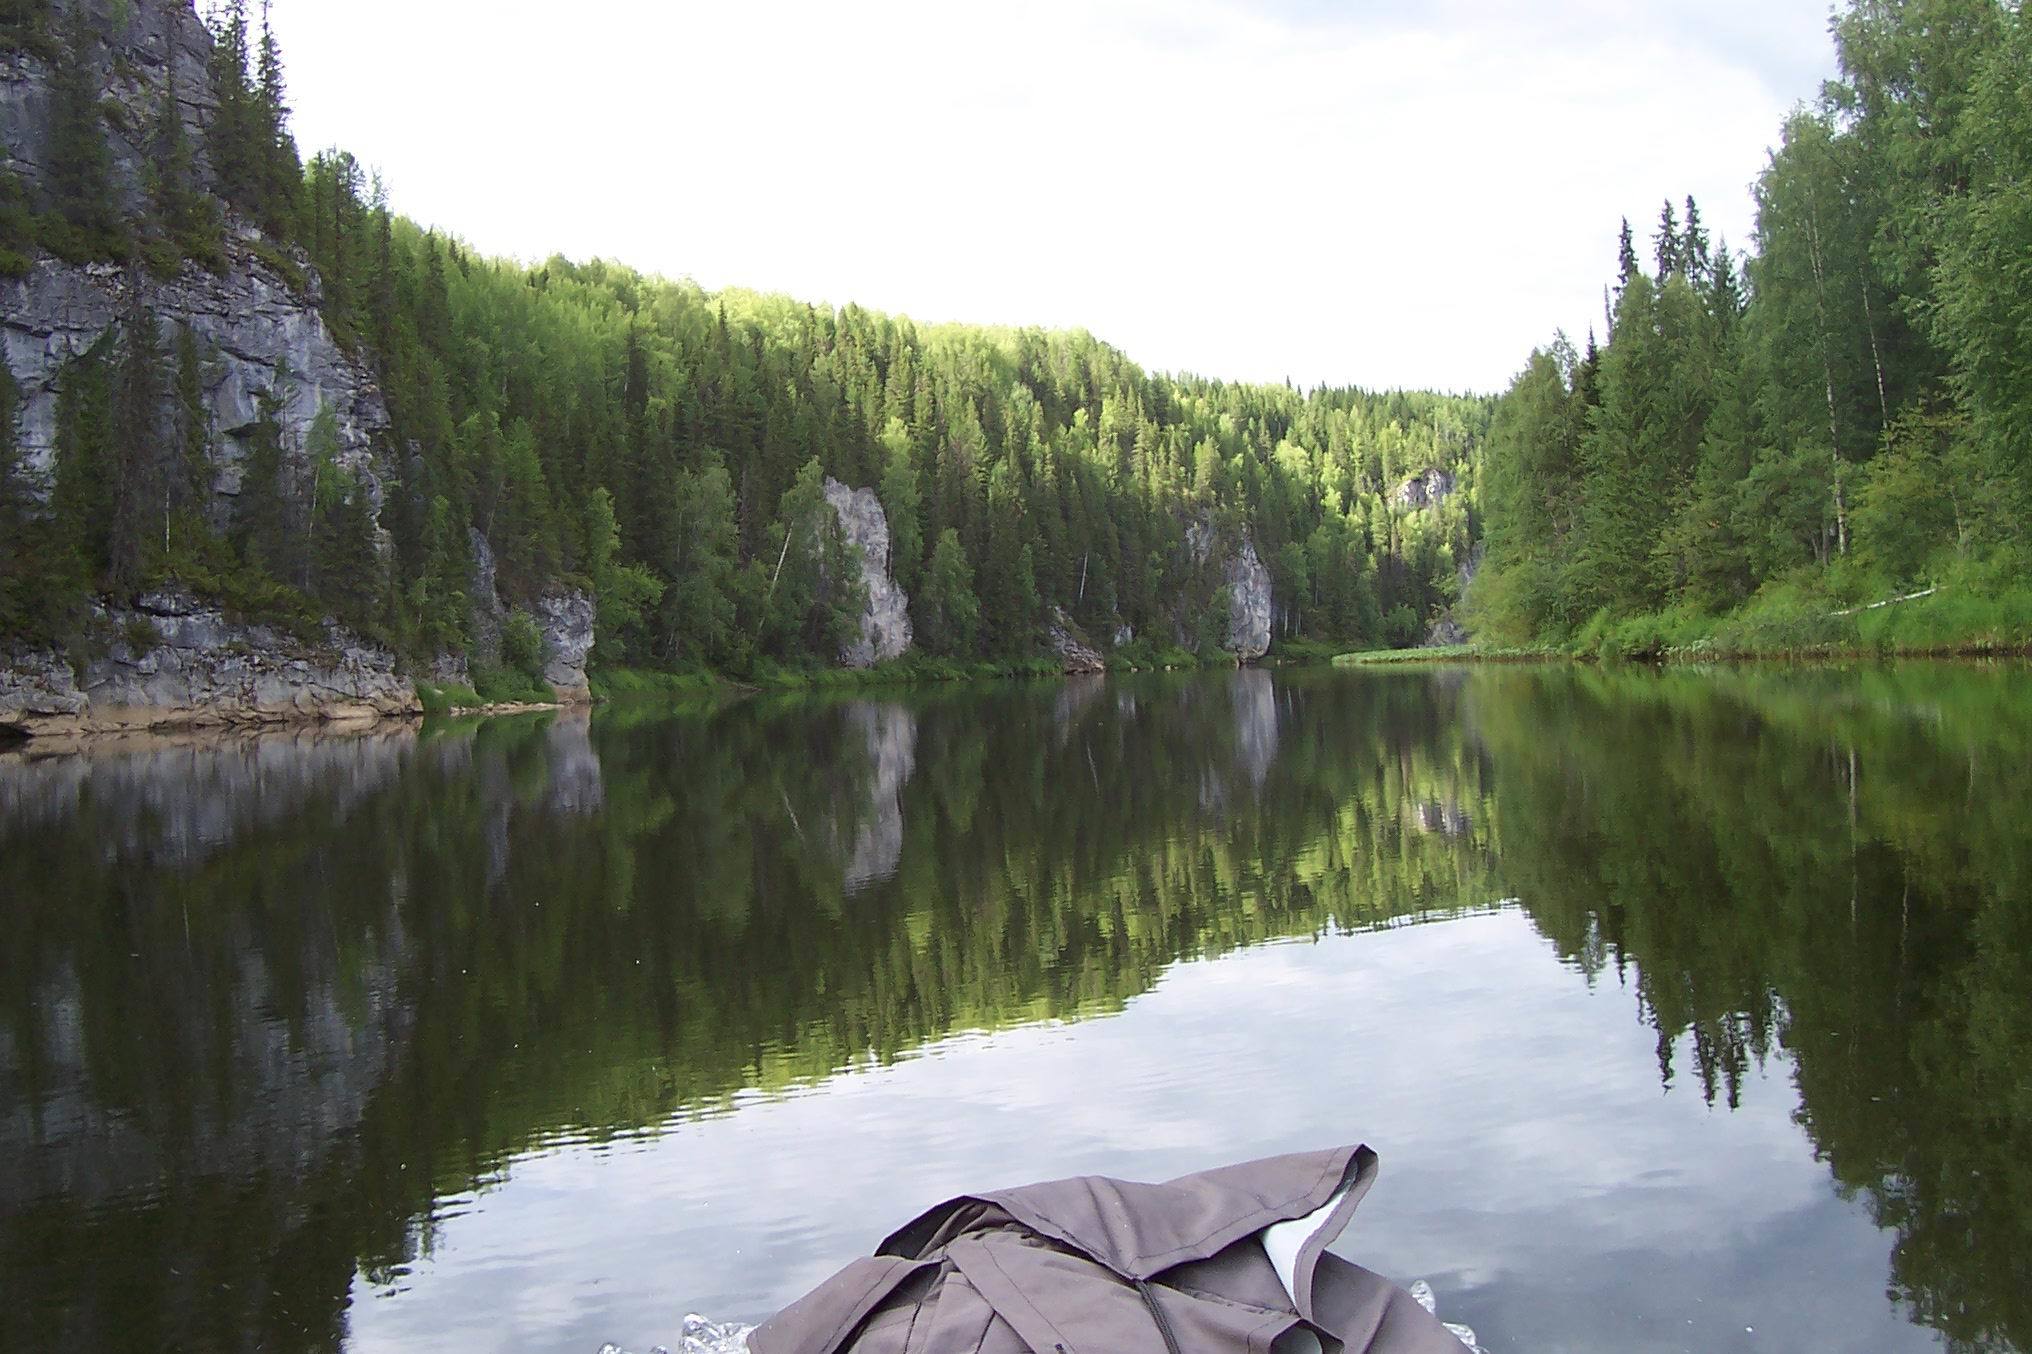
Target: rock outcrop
[[173, 661], [885, 620], [1447, 631], [1426, 489], [259, 338], [1251, 603], [140, 47], [1070, 645], [565, 616]]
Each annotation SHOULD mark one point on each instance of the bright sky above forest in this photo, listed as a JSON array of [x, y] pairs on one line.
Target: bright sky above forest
[[1380, 193]]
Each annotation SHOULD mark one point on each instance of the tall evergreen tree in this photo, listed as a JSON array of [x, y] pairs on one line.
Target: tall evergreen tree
[[1669, 247], [79, 164], [140, 489]]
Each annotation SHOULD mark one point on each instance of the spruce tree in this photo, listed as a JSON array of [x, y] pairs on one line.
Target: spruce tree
[[82, 500], [278, 171], [1693, 246], [232, 138], [80, 167], [182, 212], [1627, 266], [1668, 245], [264, 514], [140, 488]]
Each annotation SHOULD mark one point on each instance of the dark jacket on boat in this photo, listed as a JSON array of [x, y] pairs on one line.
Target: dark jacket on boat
[[1220, 1262]]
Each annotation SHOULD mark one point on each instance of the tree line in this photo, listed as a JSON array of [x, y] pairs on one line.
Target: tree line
[[1838, 416], [667, 447]]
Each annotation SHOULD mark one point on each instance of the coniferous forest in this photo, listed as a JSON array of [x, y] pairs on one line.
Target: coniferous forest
[[666, 447], [1759, 448], [1755, 446]]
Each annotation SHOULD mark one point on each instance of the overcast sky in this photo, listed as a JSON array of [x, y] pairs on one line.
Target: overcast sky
[[1378, 193]]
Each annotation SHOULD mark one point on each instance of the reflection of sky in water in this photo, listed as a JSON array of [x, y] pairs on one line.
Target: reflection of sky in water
[[1532, 1168]]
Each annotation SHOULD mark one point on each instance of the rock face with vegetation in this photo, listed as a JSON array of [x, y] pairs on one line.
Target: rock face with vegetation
[[131, 68], [174, 661], [244, 377], [565, 618], [884, 630], [1250, 603], [265, 358], [1070, 646], [1246, 583]]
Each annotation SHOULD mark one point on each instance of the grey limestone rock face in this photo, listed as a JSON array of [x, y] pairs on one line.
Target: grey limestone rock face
[[137, 50], [1249, 603], [1426, 489], [255, 335], [1069, 644], [487, 611], [885, 621], [1447, 630], [174, 662], [566, 618]]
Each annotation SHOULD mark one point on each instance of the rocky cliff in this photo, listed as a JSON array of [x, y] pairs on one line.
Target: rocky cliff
[[1425, 490], [1251, 602], [140, 48], [885, 620], [265, 352], [258, 335], [175, 661]]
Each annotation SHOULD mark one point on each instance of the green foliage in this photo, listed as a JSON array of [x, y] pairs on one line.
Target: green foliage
[[1849, 423], [438, 699], [666, 446], [947, 610], [522, 645], [85, 223]]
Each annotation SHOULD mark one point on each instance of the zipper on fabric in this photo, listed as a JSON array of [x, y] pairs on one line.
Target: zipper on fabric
[[1157, 1315]]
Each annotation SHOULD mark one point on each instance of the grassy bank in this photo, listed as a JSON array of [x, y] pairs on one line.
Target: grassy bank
[[1791, 620]]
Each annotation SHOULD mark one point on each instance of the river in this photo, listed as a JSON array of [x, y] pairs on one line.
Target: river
[[1687, 1010]]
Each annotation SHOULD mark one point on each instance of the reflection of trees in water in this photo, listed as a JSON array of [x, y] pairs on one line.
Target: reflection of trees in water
[[525, 928], [1836, 861]]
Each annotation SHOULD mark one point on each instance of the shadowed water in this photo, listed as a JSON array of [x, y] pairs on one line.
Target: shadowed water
[[1688, 1011]]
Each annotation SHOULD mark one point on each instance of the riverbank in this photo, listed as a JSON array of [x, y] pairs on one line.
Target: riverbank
[[1929, 623]]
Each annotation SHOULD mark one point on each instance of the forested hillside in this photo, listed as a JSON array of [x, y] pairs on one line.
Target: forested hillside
[[1759, 448], [663, 446]]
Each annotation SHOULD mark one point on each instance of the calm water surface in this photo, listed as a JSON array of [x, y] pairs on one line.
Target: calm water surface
[[1688, 1011]]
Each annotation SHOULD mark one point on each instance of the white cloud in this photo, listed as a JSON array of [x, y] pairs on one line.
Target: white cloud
[[1376, 194]]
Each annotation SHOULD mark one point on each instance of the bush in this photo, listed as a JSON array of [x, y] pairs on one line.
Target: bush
[[522, 645], [507, 686], [438, 700]]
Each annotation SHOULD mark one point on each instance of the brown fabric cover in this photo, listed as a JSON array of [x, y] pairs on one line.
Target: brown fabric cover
[[1055, 1268]]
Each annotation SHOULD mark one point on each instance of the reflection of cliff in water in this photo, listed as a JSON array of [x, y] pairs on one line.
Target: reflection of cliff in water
[[334, 994]]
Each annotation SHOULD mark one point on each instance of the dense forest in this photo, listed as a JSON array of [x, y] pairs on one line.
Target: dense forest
[[666, 446], [1760, 446]]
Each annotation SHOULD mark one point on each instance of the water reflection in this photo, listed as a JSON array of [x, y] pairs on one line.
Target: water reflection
[[275, 1008]]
